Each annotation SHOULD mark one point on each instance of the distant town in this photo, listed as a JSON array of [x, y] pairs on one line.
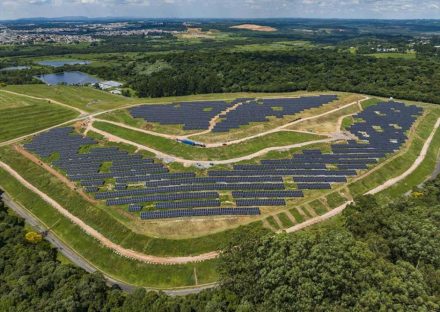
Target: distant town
[[70, 33]]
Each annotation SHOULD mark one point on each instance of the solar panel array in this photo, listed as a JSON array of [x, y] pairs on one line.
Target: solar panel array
[[259, 111], [179, 213], [192, 115], [141, 181]]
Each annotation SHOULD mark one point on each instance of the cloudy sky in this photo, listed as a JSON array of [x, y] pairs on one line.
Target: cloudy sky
[[10, 9]]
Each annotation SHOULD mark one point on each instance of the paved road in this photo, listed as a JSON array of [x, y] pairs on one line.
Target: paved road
[[80, 261]]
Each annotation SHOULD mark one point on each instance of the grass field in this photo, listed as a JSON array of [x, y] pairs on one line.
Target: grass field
[[21, 116], [86, 98], [190, 152]]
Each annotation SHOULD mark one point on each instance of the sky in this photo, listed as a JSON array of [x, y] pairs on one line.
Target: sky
[[381, 9]]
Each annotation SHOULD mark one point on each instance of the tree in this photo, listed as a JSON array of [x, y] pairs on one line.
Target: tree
[[33, 237]]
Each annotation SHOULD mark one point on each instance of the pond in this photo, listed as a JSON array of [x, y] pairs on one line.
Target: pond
[[70, 78], [60, 63]]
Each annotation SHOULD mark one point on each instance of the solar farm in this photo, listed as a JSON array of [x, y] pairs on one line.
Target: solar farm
[[167, 204], [146, 187]]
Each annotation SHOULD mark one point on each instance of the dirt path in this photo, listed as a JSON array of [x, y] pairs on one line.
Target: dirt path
[[413, 167], [377, 189], [12, 141], [101, 238], [282, 127], [188, 162], [158, 134], [55, 173], [220, 144], [213, 121], [82, 112]]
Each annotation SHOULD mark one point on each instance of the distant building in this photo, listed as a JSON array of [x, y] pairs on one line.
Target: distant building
[[116, 91], [104, 85]]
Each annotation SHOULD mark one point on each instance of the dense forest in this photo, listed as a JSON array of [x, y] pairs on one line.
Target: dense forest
[[373, 258], [303, 69]]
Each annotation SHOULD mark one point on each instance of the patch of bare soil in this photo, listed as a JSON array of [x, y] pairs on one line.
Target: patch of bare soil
[[255, 27]]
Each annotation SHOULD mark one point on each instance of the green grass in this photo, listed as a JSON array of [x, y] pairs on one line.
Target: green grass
[[21, 116], [423, 172], [285, 221], [335, 200], [370, 102], [347, 122], [190, 152], [401, 163], [273, 223], [275, 46], [126, 270], [298, 217], [106, 219], [86, 98], [406, 56], [318, 206]]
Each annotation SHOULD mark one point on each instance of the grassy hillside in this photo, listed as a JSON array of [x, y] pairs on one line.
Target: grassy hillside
[[20, 116]]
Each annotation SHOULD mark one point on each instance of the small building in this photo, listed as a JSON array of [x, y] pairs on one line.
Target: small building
[[116, 91], [104, 85]]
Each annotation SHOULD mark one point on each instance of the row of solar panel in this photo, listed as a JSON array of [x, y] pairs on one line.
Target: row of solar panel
[[156, 198], [189, 188], [146, 215]]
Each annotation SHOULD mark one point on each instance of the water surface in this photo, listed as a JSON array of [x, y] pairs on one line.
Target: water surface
[[70, 78]]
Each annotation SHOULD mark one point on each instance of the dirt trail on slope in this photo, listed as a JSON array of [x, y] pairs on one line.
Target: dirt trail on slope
[[376, 190], [220, 144], [82, 112], [101, 238], [55, 173], [213, 121], [277, 129], [113, 138]]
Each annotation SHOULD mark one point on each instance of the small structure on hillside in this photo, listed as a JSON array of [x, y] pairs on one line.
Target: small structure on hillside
[[104, 85]]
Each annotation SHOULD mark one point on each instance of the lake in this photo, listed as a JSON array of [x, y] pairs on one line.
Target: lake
[[70, 78], [62, 63]]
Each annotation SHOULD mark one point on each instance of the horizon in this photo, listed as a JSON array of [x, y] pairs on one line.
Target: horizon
[[227, 9], [139, 18]]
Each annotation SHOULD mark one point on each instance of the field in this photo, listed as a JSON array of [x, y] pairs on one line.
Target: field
[[20, 116], [187, 237], [85, 98]]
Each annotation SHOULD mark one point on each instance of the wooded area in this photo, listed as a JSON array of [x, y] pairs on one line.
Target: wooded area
[[377, 258]]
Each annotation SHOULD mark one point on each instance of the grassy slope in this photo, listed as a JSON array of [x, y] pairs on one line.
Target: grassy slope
[[126, 270], [400, 164], [189, 152], [20, 116], [86, 98], [92, 100], [104, 218]]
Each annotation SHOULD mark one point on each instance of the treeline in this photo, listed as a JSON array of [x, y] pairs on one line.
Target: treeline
[[377, 258], [308, 69]]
